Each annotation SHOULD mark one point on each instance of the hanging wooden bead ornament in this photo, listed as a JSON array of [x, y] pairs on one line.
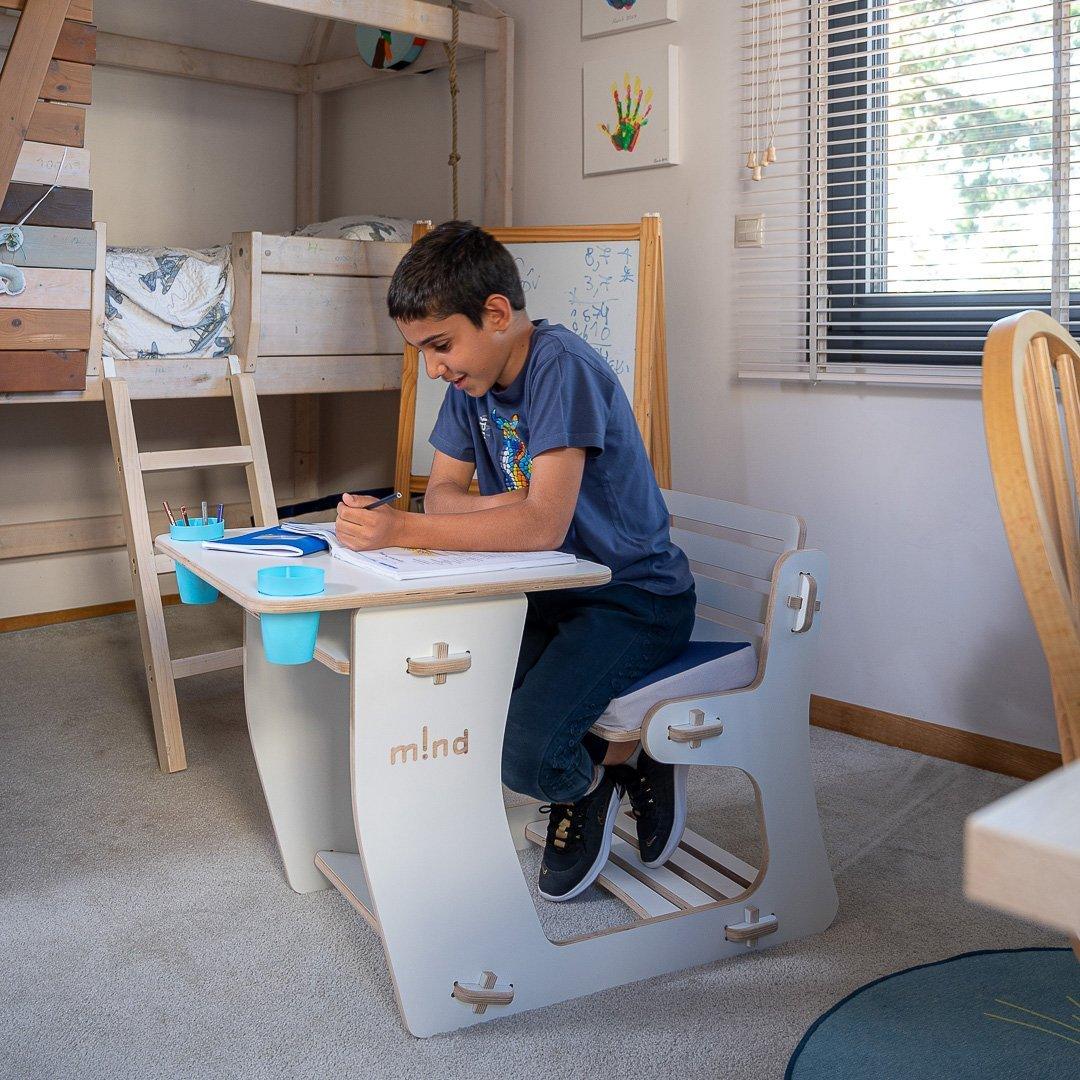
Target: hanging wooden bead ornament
[[776, 27]]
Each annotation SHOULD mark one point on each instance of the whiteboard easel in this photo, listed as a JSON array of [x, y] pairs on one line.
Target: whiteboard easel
[[605, 282]]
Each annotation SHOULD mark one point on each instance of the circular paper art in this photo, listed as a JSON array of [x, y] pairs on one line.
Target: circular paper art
[[388, 49]]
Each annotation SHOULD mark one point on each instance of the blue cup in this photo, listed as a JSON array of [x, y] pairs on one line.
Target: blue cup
[[289, 637], [193, 590]]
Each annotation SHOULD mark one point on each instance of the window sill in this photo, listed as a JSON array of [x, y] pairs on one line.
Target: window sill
[[947, 378]]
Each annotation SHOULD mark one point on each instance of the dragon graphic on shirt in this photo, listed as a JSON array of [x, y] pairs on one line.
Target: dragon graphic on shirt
[[514, 458]]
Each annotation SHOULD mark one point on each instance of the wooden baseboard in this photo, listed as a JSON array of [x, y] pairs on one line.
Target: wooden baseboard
[[982, 751], [95, 611]]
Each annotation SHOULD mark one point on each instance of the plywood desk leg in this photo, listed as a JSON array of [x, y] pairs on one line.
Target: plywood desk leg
[[426, 768], [298, 717]]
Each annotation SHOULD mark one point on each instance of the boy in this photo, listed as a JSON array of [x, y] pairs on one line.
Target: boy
[[546, 426]]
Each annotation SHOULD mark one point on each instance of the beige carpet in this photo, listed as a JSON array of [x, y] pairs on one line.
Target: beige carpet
[[146, 929]]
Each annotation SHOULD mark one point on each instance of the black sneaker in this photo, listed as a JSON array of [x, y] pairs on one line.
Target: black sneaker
[[578, 840], [658, 801]]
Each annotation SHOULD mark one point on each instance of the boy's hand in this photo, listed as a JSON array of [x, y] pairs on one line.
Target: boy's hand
[[361, 529]]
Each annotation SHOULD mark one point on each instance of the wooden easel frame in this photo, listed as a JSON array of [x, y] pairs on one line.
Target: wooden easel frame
[[650, 402]]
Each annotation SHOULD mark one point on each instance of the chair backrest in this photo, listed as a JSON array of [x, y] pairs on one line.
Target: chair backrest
[[1034, 444], [732, 551]]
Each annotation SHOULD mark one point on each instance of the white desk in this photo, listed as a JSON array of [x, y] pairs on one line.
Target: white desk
[[1022, 853], [387, 785]]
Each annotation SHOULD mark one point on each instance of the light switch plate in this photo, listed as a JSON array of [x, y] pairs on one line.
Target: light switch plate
[[749, 230]]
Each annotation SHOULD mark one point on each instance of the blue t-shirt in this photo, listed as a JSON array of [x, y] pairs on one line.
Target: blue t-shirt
[[567, 395]]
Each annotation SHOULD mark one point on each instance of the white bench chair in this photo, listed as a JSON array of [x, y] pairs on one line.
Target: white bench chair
[[739, 696]]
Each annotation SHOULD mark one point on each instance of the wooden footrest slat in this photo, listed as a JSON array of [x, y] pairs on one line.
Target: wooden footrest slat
[[685, 882], [202, 458], [673, 888], [636, 894], [204, 662], [721, 874]]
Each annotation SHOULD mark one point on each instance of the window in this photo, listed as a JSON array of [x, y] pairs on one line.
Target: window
[[933, 137]]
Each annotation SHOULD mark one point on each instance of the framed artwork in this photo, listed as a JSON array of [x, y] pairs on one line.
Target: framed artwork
[[630, 105], [613, 16]]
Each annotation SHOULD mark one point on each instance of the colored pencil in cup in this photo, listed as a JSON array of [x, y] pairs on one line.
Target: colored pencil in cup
[[184, 515], [221, 511], [205, 519], [168, 512]]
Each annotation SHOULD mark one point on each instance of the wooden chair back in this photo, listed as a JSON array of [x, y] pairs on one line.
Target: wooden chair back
[[1031, 409]]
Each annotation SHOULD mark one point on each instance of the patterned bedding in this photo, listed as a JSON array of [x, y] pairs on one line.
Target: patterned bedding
[[167, 302]]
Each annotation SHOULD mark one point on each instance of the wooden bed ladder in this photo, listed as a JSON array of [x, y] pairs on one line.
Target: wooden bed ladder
[[161, 669]]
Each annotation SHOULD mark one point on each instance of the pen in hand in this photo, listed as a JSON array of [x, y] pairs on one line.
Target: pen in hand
[[381, 502]]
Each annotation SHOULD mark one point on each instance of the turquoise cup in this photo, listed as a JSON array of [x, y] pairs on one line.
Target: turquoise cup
[[289, 637], [193, 590]]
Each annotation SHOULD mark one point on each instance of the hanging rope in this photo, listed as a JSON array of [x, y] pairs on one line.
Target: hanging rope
[[451, 56]]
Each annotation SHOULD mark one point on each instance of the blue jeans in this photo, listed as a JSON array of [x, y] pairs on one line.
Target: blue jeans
[[581, 648]]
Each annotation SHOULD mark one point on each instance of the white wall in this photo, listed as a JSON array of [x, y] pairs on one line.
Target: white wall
[[385, 147], [924, 616]]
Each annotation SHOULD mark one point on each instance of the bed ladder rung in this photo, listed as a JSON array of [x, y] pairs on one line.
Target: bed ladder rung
[[203, 457]]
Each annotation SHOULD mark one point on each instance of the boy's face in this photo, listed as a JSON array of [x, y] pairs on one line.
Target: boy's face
[[469, 357]]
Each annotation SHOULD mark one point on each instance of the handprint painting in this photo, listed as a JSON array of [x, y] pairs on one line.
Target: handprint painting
[[630, 111], [614, 16], [630, 119]]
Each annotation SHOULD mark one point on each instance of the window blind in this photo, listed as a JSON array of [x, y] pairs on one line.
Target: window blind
[[922, 184]]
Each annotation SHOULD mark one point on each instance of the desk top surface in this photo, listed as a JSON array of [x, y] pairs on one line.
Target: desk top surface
[[349, 587]]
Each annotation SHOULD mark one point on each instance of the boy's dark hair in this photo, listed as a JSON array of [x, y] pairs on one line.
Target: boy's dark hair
[[452, 271]]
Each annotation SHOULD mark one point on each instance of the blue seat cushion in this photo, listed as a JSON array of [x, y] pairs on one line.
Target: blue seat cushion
[[704, 667]]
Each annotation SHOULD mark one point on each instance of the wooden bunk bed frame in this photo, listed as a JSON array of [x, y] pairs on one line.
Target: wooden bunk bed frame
[[309, 314]]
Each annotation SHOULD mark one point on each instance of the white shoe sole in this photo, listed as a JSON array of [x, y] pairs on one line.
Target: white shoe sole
[[679, 825], [601, 859]]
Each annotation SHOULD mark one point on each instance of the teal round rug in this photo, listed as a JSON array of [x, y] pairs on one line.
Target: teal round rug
[[993, 1015]]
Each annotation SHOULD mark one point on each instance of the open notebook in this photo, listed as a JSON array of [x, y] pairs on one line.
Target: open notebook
[[405, 564]]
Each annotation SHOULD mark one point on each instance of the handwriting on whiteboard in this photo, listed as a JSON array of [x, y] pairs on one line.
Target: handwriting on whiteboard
[[596, 297]]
